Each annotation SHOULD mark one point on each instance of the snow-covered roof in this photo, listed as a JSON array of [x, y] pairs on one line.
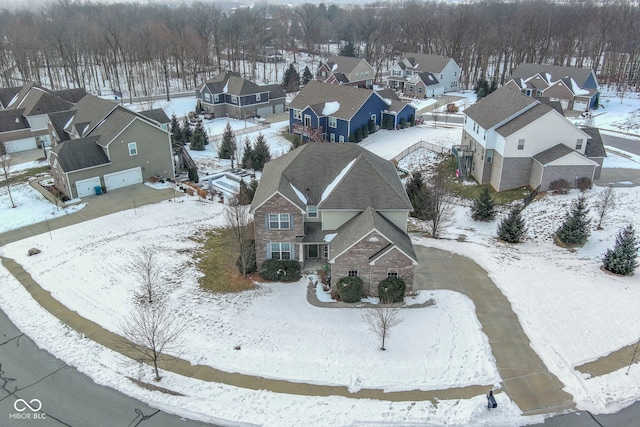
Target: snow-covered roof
[[301, 196], [330, 108], [337, 179]]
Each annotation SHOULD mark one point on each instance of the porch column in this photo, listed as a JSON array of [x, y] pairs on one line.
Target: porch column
[[301, 253]]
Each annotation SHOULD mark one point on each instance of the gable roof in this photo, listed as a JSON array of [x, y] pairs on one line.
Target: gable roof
[[425, 63], [316, 94], [363, 224], [58, 121], [556, 72], [333, 176], [523, 119], [498, 106], [12, 120], [554, 153], [71, 95], [112, 125], [7, 94], [595, 146], [343, 64], [232, 83], [157, 115], [426, 78], [77, 154], [89, 111], [36, 100]]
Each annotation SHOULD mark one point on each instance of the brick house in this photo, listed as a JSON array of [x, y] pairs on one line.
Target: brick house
[[337, 205]]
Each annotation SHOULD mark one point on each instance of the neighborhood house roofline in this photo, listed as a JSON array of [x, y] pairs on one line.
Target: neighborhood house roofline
[[333, 258], [302, 211], [388, 249]]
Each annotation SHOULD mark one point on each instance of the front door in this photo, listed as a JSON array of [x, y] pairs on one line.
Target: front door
[[312, 251]]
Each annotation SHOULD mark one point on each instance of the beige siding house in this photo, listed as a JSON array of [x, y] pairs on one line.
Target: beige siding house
[[346, 70]]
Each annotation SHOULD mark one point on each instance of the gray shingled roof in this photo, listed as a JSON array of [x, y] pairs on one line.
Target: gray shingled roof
[[275, 91], [316, 94], [526, 70], [112, 125], [343, 64], [595, 146], [71, 95], [36, 100], [362, 224], [12, 120], [58, 120], [157, 115], [90, 110], [428, 79], [371, 180], [231, 83], [77, 154], [554, 153], [523, 119], [498, 106], [556, 105], [7, 94], [428, 63]]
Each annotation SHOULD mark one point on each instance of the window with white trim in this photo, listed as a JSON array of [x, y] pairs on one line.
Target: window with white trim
[[393, 274], [280, 250], [297, 114], [257, 97], [133, 149], [312, 211], [332, 137], [216, 97], [521, 144], [333, 122], [579, 144], [366, 73], [207, 97], [352, 273], [341, 138], [279, 221], [397, 73], [234, 99], [489, 156]]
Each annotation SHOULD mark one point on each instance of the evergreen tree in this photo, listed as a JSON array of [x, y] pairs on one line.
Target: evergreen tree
[[365, 131], [198, 138], [290, 80], [243, 193], [418, 194], [484, 208], [575, 229], [247, 154], [306, 76], [261, 153], [622, 258], [176, 132], [253, 186], [186, 131], [228, 145], [372, 126], [512, 228], [482, 88], [348, 50], [193, 175]]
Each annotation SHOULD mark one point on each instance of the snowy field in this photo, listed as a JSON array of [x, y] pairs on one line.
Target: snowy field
[[571, 311]]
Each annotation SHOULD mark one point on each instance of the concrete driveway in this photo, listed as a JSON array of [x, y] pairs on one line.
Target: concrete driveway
[[525, 378]]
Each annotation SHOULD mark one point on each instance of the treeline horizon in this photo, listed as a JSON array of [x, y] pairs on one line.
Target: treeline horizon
[[143, 47]]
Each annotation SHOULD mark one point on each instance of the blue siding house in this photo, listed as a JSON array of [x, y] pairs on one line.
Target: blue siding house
[[229, 95], [331, 113]]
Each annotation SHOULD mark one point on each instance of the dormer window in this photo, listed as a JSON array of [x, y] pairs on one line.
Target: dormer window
[[312, 211]]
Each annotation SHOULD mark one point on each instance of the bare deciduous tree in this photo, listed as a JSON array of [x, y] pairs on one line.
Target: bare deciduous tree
[[6, 163], [146, 269], [439, 203], [150, 333], [604, 204], [238, 221], [381, 320], [635, 353]]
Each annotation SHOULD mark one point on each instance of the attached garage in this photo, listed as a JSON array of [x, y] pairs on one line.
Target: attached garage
[[123, 178], [580, 105], [265, 111], [278, 108], [21, 145], [86, 187]]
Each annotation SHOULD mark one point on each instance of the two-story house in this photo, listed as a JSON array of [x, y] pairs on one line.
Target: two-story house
[[325, 112], [99, 143], [420, 75], [230, 95], [338, 205], [346, 70], [575, 88], [510, 140]]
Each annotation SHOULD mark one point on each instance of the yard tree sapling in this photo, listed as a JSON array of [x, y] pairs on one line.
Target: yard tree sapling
[[513, 227], [150, 332], [6, 162], [635, 354], [605, 203], [239, 226], [575, 228], [435, 114], [381, 320], [484, 208], [622, 258], [439, 206], [146, 269]]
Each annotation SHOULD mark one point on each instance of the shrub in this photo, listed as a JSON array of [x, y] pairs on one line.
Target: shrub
[[403, 123], [560, 185], [365, 131], [350, 289], [358, 135], [391, 290], [280, 270], [372, 126], [412, 120], [352, 138], [583, 183]]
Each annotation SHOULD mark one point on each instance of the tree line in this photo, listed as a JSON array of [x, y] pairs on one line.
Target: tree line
[[147, 49]]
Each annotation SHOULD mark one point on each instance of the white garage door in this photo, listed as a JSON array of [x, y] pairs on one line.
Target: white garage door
[[86, 187], [265, 111], [21, 145], [579, 106], [123, 178], [279, 108]]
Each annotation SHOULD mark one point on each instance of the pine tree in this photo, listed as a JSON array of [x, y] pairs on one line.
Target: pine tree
[[419, 196], [247, 154], [198, 138], [176, 132], [484, 208], [253, 186], [482, 88], [513, 227], [575, 229], [290, 80], [243, 193], [622, 258], [261, 153], [348, 50], [186, 131], [306, 75], [372, 126], [193, 175], [228, 145]]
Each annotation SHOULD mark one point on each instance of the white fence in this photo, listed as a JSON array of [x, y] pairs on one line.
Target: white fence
[[242, 131], [422, 144]]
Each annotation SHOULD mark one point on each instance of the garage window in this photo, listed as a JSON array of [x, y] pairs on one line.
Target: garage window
[[133, 149], [579, 144]]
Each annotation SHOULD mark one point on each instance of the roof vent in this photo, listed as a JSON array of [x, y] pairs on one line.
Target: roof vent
[[17, 120]]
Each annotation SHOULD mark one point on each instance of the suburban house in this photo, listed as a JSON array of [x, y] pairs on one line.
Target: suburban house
[[99, 143], [25, 117], [230, 95], [424, 76], [346, 70], [158, 117], [338, 205], [511, 140], [575, 88], [325, 112]]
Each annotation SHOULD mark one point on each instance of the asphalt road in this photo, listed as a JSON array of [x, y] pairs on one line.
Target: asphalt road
[[67, 397], [626, 418], [622, 143]]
